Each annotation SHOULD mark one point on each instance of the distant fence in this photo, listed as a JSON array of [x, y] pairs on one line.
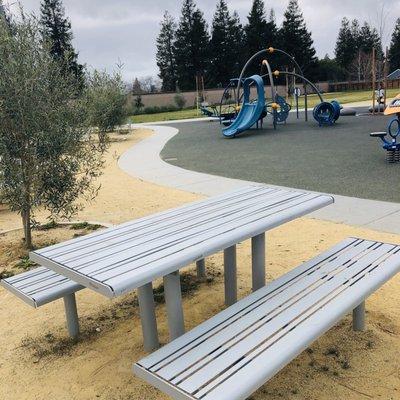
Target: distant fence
[[213, 96], [363, 85]]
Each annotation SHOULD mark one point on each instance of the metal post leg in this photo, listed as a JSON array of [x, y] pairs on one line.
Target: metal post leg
[[201, 268], [230, 275], [173, 300], [148, 317], [71, 314], [359, 317], [258, 261]]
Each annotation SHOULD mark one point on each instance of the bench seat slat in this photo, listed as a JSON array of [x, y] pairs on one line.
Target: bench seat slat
[[232, 371], [243, 322], [40, 286], [247, 344]]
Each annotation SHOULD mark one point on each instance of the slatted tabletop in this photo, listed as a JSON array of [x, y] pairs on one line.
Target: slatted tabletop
[[232, 354], [119, 259]]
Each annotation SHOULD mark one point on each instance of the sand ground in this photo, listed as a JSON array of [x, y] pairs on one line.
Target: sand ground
[[37, 361]]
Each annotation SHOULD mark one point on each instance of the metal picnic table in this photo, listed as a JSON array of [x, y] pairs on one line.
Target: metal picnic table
[[132, 255]]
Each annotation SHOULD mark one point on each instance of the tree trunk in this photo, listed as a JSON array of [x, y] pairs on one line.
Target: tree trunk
[[26, 222]]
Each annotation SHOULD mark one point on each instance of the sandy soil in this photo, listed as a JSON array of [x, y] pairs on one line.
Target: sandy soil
[[39, 362]]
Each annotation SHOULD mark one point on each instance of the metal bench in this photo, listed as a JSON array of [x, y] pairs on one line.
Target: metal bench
[[234, 353], [41, 286], [132, 255]]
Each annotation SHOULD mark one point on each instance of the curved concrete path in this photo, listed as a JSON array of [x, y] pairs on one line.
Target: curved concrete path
[[143, 161]]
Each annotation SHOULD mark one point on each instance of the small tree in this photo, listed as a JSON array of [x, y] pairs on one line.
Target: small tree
[[48, 156], [179, 100], [138, 103], [106, 100]]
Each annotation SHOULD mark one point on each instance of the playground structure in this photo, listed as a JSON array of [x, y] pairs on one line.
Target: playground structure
[[250, 112], [389, 138]]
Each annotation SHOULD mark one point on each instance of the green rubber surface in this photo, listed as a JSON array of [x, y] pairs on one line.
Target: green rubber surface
[[342, 159]]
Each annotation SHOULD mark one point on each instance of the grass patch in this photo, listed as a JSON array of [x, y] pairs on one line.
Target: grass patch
[[312, 99], [25, 264], [85, 225], [165, 116], [48, 226]]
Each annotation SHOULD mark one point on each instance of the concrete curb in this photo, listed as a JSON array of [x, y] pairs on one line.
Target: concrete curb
[[143, 161]]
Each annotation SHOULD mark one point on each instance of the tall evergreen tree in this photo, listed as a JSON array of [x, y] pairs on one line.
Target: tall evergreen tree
[[191, 46], [345, 50], [225, 45], [56, 30], [237, 54], [369, 39], [260, 33], [165, 53], [296, 39], [219, 45], [394, 50]]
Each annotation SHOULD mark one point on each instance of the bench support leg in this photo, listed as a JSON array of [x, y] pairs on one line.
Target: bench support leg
[[173, 300], [359, 317], [201, 268], [230, 275], [148, 317], [71, 313], [258, 261]]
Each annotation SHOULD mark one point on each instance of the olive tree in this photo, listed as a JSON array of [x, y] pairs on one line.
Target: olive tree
[[49, 157], [106, 100]]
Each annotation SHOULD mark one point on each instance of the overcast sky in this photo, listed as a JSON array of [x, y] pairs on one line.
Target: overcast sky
[[108, 31]]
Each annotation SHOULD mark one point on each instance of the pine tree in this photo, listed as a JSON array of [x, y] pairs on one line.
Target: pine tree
[[236, 47], [256, 29], [137, 87], [369, 38], [165, 53], [394, 50], [191, 46], [225, 45], [56, 30], [345, 50], [296, 39]]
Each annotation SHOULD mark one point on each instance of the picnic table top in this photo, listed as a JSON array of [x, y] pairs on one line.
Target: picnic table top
[[119, 259]]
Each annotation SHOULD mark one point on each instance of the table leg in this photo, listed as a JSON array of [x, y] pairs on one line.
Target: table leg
[[359, 317], [230, 275], [173, 300], [201, 268], [148, 317], [258, 261], [71, 313]]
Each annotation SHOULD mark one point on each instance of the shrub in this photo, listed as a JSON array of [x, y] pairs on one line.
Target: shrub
[[106, 99], [180, 100]]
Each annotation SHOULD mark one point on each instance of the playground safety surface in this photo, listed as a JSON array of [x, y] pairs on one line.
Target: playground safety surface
[[341, 159]]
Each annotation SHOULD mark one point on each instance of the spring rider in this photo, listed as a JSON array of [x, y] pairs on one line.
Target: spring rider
[[389, 138]]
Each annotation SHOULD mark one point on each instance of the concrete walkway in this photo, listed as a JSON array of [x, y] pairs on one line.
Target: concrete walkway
[[143, 161]]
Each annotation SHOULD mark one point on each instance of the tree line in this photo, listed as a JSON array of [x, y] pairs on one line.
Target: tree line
[[188, 48]]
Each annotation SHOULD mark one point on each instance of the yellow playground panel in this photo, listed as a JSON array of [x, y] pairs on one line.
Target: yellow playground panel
[[394, 106]]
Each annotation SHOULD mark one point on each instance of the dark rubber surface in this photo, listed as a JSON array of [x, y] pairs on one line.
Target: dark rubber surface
[[341, 159]]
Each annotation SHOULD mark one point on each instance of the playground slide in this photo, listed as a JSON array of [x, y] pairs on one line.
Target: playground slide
[[251, 111]]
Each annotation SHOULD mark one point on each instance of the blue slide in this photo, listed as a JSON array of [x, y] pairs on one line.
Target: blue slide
[[250, 113]]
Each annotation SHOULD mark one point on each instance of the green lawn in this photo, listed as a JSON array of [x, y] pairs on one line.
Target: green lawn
[[165, 116], [313, 100]]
